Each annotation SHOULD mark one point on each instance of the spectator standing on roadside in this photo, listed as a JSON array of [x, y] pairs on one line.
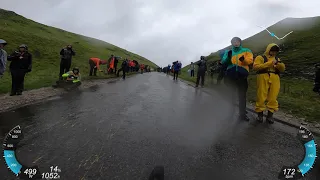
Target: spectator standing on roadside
[[124, 68], [192, 67], [237, 61], [116, 60], [142, 68], [66, 59], [110, 64], [201, 71], [268, 67], [176, 69], [3, 57], [168, 69], [21, 63]]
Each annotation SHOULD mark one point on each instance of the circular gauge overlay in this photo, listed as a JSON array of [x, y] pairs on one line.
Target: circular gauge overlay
[[9, 153], [300, 170]]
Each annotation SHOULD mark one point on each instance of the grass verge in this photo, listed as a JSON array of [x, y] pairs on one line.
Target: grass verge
[[296, 96]]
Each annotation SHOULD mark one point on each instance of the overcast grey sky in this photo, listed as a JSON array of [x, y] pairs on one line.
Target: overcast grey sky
[[164, 30]]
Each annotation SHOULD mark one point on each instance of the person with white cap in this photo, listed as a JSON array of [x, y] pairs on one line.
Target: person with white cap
[[3, 57]]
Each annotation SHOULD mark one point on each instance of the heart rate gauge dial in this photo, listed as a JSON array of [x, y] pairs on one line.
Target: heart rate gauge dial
[[9, 153], [310, 149]]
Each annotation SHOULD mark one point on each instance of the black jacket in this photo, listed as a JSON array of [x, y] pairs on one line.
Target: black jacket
[[20, 61], [67, 53], [124, 64], [202, 66]]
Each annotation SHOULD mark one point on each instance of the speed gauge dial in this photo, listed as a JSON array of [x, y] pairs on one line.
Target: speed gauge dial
[[9, 153], [310, 148]]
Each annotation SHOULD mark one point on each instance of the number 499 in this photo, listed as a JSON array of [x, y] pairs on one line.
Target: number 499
[[30, 171]]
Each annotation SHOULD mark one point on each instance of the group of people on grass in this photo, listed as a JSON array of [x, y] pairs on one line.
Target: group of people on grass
[[21, 64], [94, 65]]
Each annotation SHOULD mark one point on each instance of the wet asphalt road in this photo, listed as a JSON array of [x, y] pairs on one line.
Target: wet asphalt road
[[121, 130]]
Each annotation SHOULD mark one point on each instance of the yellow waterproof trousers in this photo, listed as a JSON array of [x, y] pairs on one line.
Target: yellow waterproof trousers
[[268, 87]]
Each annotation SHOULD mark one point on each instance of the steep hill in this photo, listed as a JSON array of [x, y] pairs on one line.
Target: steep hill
[[45, 43], [300, 51]]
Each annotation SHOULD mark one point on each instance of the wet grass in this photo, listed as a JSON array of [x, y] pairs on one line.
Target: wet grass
[[45, 43]]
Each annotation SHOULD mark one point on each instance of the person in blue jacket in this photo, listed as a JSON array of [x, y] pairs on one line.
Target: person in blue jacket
[[176, 69], [168, 69]]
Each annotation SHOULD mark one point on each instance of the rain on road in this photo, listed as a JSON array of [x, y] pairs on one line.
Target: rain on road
[[121, 130]]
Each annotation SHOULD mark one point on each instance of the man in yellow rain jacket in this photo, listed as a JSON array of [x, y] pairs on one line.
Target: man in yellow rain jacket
[[268, 66]]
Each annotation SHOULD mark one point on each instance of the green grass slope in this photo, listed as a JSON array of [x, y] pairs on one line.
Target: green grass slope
[[300, 51], [45, 43]]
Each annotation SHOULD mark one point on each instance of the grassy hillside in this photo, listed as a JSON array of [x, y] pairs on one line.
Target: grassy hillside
[[45, 43], [300, 51]]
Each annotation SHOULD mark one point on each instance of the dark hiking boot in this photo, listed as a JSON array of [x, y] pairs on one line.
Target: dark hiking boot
[[269, 118], [260, 117], [157, 173], [19, 93], [13, 94]]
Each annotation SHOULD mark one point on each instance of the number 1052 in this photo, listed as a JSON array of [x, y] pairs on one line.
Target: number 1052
[[50, 175]]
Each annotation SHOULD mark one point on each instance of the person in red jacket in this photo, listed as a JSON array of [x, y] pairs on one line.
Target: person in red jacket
[[142, 68], [131, 65], [95, 65]]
